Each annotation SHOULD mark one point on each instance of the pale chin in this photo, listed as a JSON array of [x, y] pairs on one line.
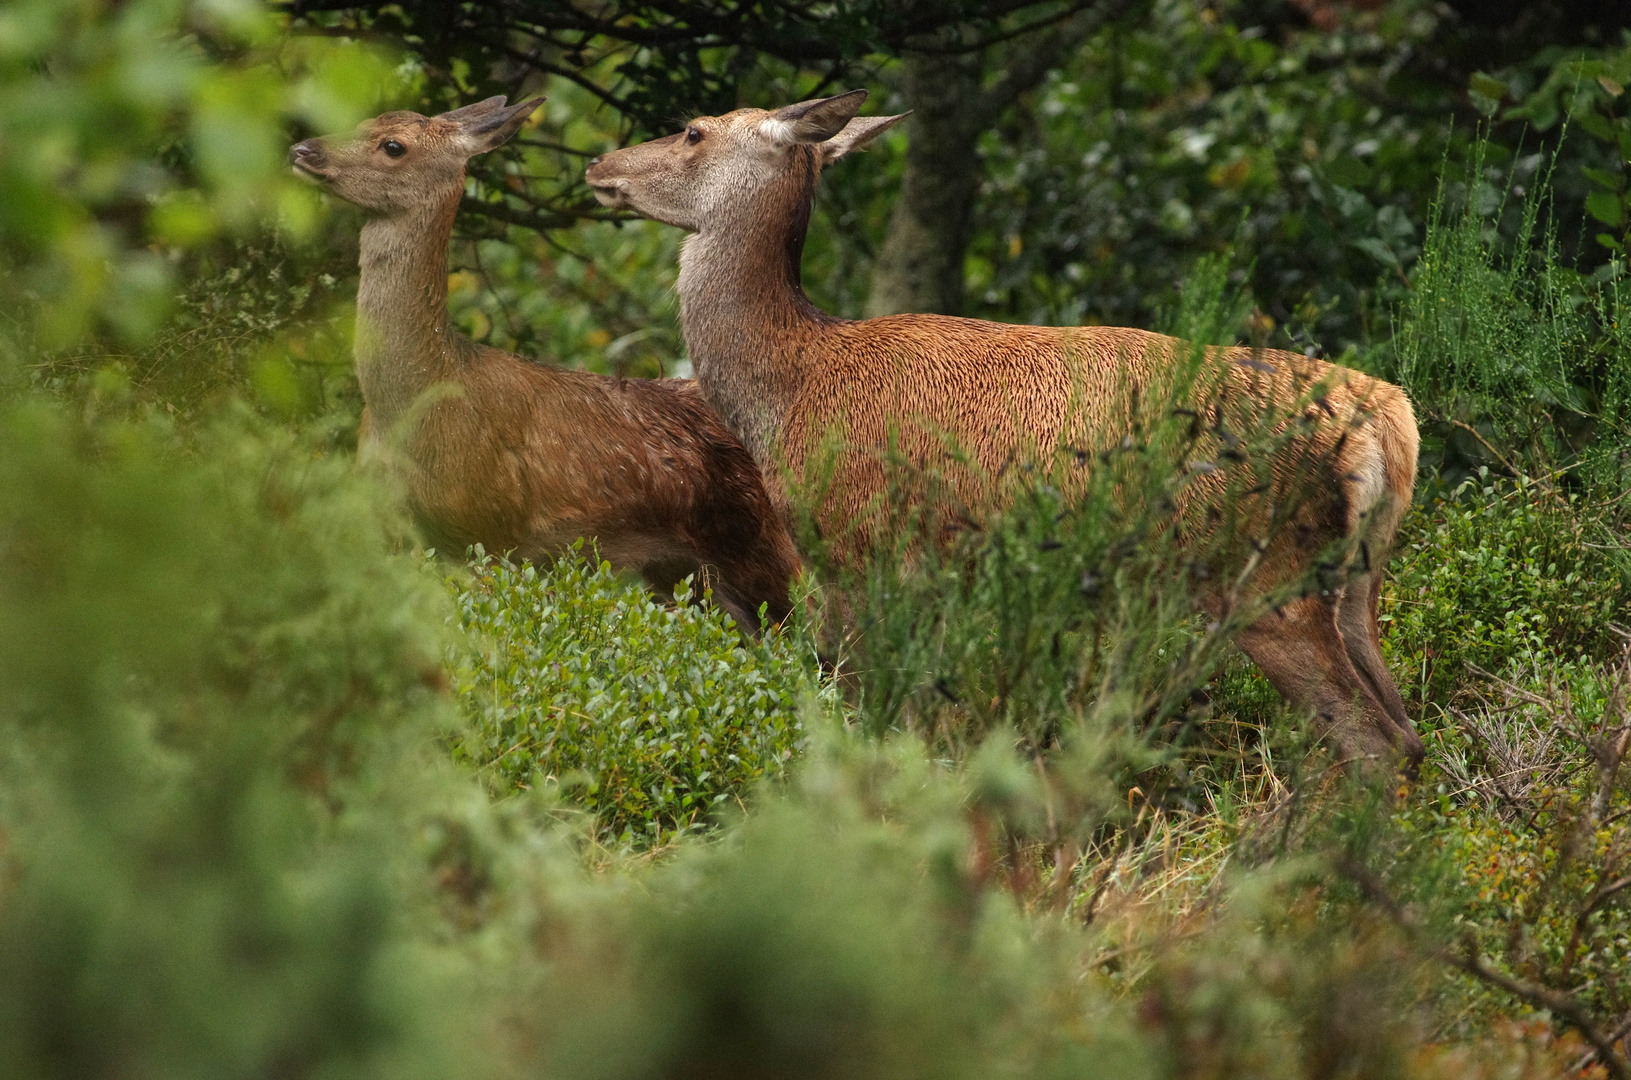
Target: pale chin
[[610, 197]]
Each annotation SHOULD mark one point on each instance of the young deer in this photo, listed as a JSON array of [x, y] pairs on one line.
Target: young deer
[[782, 373], [519, 456]]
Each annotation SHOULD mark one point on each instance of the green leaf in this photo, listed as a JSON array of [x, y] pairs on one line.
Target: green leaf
[[1378, 250], [1596, 125], [1606, 207], [1486, 93], [1487, 85], [1604, 178]]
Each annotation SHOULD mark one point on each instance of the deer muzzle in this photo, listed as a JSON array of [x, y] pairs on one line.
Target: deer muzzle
[[608, 189], [308, 159]]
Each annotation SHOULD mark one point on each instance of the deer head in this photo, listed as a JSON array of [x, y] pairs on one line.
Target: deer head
[[402, 160], [719, 164]]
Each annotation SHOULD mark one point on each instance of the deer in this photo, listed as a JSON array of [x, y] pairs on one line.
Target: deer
[[522, 457], [785, 375]]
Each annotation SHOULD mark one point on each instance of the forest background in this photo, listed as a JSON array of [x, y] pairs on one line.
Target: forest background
[[283, 795]]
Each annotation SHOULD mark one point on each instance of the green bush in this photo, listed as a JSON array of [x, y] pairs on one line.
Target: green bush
[[1501, 574], [209, 660], [652, 714], [857, 927]]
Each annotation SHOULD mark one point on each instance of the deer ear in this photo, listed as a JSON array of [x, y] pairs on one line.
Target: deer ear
[[856, 134], [812, 121], [475, 109], [492, 128]]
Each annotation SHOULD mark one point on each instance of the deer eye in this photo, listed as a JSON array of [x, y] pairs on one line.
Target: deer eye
[[693, 134], [393, 148]]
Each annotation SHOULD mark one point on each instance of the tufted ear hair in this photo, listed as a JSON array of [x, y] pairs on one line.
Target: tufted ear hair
[[812, 121], [856, 134], [492, 125]]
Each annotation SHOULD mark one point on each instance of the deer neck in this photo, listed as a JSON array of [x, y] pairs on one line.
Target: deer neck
[[744, 314], [403, 345]]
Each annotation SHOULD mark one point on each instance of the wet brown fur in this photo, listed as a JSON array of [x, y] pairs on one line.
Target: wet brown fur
[[519, 456], [783, 374]]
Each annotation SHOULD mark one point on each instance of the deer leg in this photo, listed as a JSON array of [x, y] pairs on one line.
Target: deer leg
[[1300, 649], [753, 562], [761, 575], [1362, 638], [663, 575]]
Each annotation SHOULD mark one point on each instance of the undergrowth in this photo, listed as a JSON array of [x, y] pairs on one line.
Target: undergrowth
[[652, 716], [1501, 576]]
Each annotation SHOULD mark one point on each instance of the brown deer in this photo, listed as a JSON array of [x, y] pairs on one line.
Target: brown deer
[[519, 456], [783, 373]]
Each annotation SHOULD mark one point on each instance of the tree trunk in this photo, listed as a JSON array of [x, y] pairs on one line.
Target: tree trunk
[[920, 267]]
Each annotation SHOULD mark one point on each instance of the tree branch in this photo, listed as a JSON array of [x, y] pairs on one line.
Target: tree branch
[[531, 219], [1559, 1004], [1027, 67]]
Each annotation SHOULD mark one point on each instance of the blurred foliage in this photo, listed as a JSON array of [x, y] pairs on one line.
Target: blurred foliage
[[153, 126], [208, 657], [253, 314]]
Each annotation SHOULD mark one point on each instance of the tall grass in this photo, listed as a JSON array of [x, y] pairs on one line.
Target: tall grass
[[1502, 340]]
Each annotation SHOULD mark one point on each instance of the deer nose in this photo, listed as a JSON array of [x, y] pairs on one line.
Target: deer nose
[[594, 161], [307, 151]]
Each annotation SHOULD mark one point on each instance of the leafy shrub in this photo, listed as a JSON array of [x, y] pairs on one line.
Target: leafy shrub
[[653, 714], [1500, 573], [208, 657]]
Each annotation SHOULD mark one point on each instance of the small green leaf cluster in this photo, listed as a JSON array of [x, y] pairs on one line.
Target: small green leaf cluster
[[1500, 575], [653, 715], [134, 131]]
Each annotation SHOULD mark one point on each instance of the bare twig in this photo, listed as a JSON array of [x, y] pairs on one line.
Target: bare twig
[[1506, 462], [1613, 1037]]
